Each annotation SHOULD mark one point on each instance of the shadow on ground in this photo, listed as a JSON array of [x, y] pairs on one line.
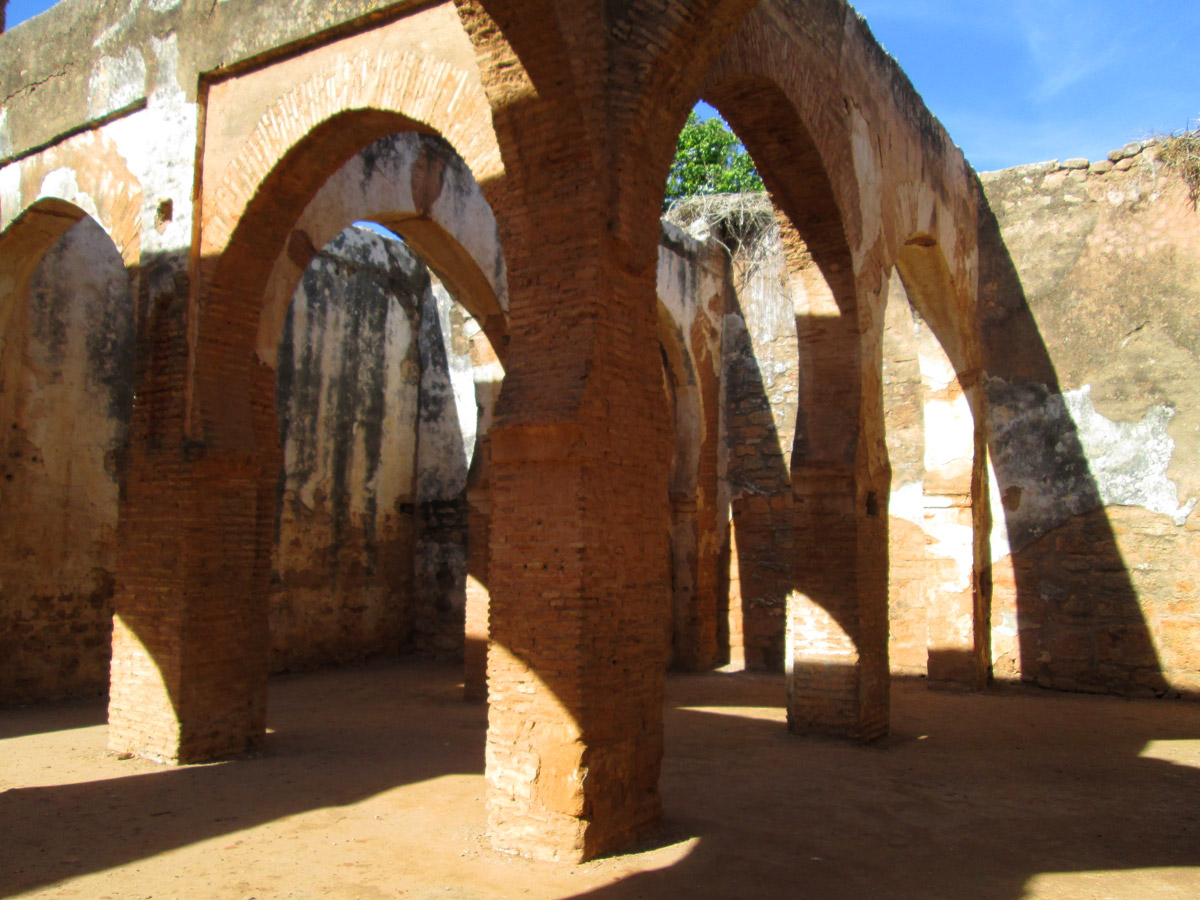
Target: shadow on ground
[[372, 779]]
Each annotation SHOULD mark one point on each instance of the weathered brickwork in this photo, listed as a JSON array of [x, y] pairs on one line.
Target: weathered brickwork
[[1095, 569], [689, 463]]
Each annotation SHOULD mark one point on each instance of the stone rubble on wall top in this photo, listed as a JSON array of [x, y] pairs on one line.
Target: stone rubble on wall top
[[1122, 160]]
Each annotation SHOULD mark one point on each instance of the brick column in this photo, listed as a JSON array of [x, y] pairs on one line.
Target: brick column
[[836, 634], [190, 640], [196, 522], [579, 574], [955, 484], [837, 628], [576, 657]]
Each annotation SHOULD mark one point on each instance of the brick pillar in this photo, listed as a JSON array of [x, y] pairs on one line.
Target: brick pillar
[[837, 628], [580, 558], [836, 635], [190, 637], [479, 511], [955, 482], [579, 574], [196, 522]]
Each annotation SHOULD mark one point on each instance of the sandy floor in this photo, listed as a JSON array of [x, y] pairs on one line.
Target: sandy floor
[[370, 786]]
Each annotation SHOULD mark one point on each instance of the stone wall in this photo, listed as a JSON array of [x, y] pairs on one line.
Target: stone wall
[[760, 402], [378, 422], [348, 387], [1091, 320], [66, 371], [377, 417]]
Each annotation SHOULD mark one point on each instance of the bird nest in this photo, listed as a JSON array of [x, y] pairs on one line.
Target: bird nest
[[744, 224]]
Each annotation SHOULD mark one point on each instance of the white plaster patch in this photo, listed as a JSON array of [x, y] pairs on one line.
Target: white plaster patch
[[870, 186], [949, 433], [116, 82], [164, 5], [159, 146], [5, 138], [949, 540], [678, 290], [1000, 546], [1129, 460], [10, 194], [61, 183], [907, 502], [936, 369]]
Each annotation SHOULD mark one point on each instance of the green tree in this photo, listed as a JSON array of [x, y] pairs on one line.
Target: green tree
[[709, 159]]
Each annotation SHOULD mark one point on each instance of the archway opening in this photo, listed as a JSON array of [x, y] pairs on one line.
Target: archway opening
[[385, 386], [939, 519], [795, 501], [66, 392]]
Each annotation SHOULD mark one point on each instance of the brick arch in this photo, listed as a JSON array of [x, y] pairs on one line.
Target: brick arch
[[776, 132], [83, 175], [761, 81], [957, 517], [57, 264], [419, 188], [426, 93], [940, 301], [34, 231]]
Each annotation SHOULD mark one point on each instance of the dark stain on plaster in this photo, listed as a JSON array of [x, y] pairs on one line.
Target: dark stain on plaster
[[429, 174], [361, 280], [300, 249]]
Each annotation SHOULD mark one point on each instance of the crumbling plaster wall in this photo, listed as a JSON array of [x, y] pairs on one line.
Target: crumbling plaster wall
[[760, 388], [84, 61], [348, 388], [693, 297], [1097, 459], [377, 409], [378, 416], [66, 372]]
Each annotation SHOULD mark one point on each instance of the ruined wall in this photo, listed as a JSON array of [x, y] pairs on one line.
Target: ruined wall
[[448, 416], [904, 412], [375, 389], [66, 370], [1091, 322], [347, 392], [376, 400], [760, 402], [694, 295]]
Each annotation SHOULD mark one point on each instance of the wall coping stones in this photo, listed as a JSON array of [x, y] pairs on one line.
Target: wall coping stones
[[1120, 160]]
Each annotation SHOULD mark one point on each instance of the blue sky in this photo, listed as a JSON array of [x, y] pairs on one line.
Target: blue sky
[[1019, 81]]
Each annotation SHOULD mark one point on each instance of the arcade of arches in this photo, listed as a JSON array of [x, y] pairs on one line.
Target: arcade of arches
[[521, 422]]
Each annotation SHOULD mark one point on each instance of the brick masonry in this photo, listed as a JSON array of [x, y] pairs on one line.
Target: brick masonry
[[640, 501]]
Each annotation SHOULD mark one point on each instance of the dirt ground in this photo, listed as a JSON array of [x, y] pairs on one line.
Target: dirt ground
[[370, 786]]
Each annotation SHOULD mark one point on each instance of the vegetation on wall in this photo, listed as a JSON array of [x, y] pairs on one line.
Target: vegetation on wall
[[709, 159], [1182, 153]]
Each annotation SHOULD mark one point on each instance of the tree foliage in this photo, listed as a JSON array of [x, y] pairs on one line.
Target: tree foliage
[[709, 159]]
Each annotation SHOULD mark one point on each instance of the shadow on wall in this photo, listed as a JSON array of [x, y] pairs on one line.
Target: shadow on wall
[[1078, 622], [759, 544]]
